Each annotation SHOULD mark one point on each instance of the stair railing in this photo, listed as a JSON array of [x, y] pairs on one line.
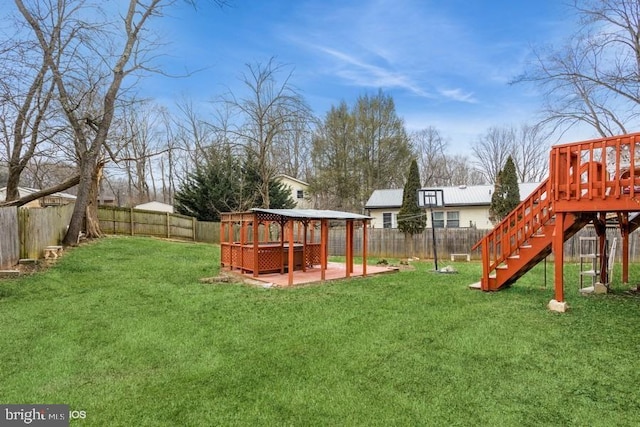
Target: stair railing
[[514, 230]]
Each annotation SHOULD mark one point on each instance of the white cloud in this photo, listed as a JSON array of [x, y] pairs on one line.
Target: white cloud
[[362, 73], [458, 95]]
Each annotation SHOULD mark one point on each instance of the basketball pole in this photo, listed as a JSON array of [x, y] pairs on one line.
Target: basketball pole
[[433, 236]]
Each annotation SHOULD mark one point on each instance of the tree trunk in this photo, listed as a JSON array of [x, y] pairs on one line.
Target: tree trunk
[[87, 168], [13, 181], [42, 193], [91, 214]]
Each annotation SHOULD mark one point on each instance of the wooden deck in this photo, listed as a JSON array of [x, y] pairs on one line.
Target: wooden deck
[[334, 271]]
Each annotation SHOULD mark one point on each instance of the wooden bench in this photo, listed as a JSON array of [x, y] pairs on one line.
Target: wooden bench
[[467, 256], [52, 252]]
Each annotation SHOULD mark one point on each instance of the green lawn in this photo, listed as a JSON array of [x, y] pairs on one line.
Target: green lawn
[[122, 329]]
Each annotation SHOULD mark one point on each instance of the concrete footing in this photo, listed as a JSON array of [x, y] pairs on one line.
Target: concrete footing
[[598, 288], [558, 306], [9, 273]]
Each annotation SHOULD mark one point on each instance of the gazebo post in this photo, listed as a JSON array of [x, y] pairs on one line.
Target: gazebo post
[[256, 238], [282, 231], [349, 246], [243, 240], [290, 254], [324, 234], [304, 246], [364, 248]]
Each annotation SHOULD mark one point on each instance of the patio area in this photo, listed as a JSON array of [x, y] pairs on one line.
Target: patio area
[[334, 271]]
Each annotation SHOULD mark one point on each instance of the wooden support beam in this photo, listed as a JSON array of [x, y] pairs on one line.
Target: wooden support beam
[[600, 225], [304, 246], [291, 251], [558, 253], [623, 219], [256, 240], [282, 232], [364, 247], [349, 248], [324, 237]]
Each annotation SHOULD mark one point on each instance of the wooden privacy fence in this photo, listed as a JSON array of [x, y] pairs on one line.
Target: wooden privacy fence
[[26, 232], [390, 243], [42, 227], [134, 222], [9, 237]]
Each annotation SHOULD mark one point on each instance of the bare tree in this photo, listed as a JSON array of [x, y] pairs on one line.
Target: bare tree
[[430, 148], [88, 62], [491, 151], [272, 111], [27, 95], [292, 149], [531, 153], [595, 78], [194, 135], [462, 172]]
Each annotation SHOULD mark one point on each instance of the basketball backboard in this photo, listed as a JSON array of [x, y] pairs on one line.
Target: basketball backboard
[[430, 198]]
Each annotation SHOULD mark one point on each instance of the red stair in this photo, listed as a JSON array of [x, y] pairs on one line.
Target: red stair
[[522, 239], [590, 180], [587, 180]]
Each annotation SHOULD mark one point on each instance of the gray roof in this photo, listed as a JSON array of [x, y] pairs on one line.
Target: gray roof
[[25, 191], [472, 195], [311, 213]]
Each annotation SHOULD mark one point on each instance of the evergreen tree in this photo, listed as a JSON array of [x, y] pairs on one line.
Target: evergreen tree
[[209, 190], [506, 194], [411, 218], [226, 185], [497, 200], [510, 186]]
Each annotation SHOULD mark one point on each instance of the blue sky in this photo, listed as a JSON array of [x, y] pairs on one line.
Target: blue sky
[[446, 63]]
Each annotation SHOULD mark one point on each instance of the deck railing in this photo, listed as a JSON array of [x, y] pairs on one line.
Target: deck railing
[[608, 168]]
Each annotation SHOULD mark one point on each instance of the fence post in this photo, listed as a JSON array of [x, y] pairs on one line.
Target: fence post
[[131, 220], [194, 225], [168, 225]]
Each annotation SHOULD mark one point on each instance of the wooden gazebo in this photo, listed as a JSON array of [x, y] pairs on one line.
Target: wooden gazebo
[[283, 240]]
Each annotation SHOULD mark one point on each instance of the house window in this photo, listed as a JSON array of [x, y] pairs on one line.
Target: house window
[[438, 220], [453, 219], [300, 194], [387, 220]]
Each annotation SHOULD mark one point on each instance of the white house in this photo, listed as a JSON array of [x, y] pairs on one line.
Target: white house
[[155, 206], [299, 190], [464, 206]]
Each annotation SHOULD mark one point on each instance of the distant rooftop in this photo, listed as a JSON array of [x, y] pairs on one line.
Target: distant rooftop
[[462, 195]]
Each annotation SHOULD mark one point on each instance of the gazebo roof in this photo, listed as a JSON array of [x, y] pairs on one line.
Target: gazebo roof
[[309, 214]]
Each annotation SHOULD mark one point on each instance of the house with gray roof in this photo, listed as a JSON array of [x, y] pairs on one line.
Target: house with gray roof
[[55, 199], [464, 206]]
